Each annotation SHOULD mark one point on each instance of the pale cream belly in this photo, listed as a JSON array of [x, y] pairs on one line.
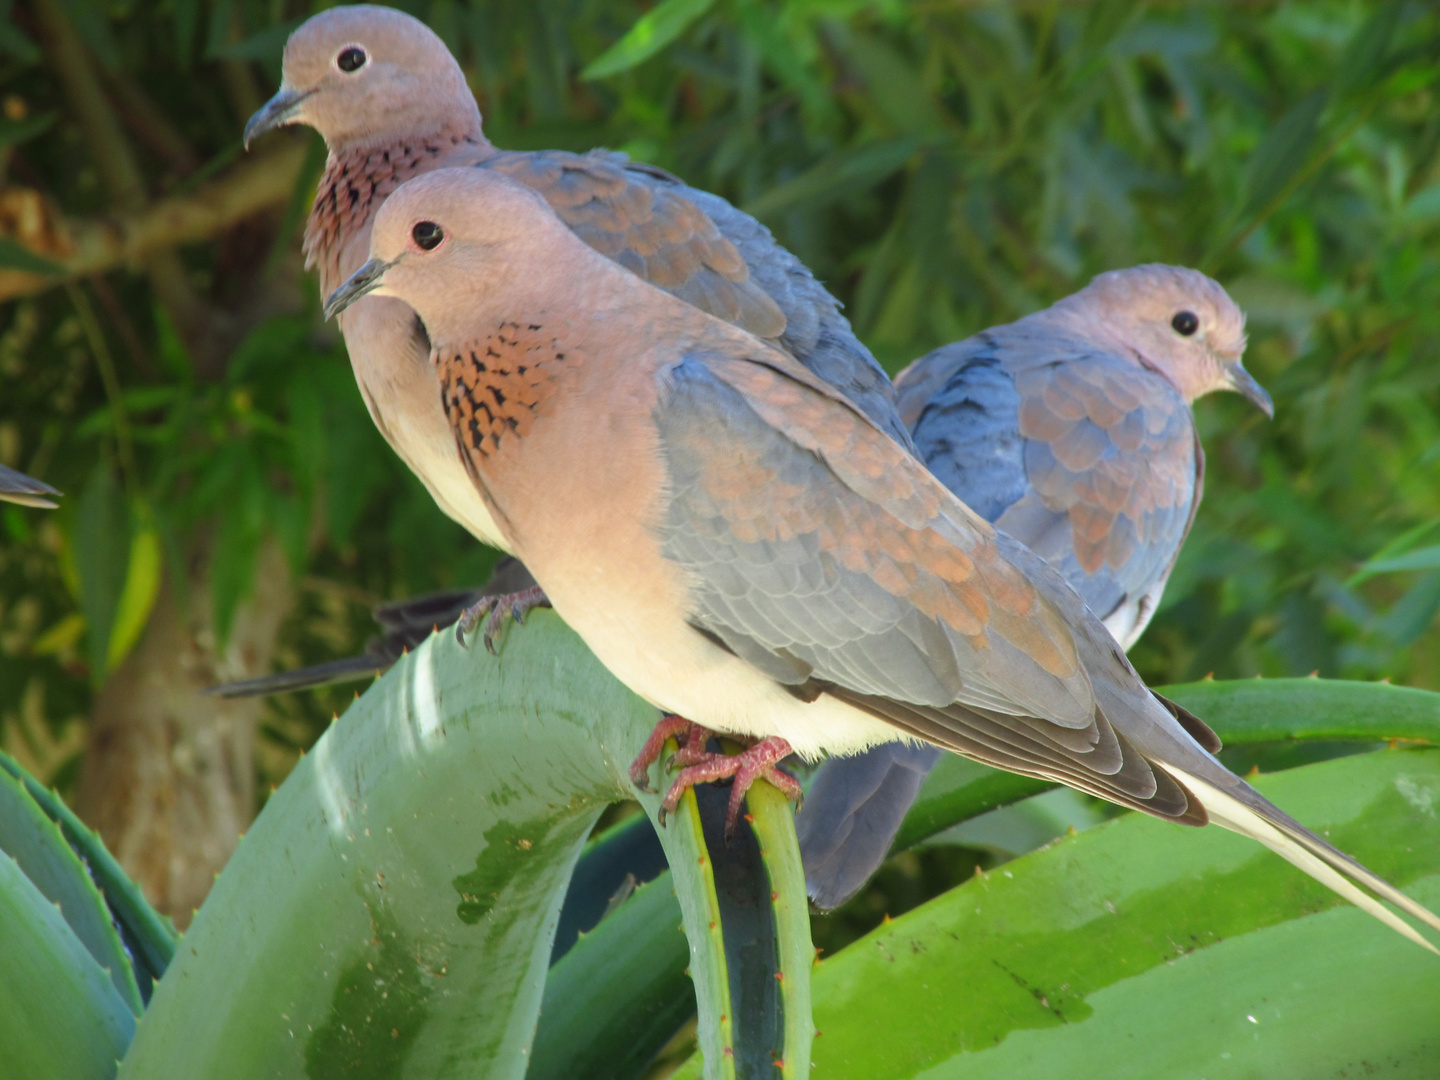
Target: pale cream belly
[[678, 670]]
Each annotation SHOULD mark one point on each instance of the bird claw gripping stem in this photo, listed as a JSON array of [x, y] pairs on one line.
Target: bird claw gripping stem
[[516, 605], [697, 766]]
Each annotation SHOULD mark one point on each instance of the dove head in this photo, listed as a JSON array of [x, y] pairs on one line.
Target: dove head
[[1175, 320], [448, 238], [364, 76]]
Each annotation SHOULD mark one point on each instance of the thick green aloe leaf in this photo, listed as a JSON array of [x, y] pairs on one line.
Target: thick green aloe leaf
[[1076, 960], [149, 936], [39, 847], [623, 991], [61, 1017], [392, 910], [1265, 710], [619, 994]]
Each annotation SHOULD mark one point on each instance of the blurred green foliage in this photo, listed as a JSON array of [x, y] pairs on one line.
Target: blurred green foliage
[[945, 166]]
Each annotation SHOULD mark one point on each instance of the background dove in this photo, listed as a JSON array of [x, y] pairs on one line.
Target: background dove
[[18, 488], [1071, 430], [392, 103], [740, 545]]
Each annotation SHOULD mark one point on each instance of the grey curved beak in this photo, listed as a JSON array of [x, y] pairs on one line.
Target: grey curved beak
[[1242, 382], [280, 110], [364, 280]]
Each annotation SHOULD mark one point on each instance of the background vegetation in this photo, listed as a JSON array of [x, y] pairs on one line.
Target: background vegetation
[[943, 165]]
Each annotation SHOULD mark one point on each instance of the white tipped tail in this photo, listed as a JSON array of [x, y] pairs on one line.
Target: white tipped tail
[[1298, 845]]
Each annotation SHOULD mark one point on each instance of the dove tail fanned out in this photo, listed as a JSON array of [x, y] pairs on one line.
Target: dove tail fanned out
[[1298, 845]]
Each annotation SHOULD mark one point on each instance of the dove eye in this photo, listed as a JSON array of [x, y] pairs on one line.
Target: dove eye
[[1185, 323], [427, 235], [351, 58]]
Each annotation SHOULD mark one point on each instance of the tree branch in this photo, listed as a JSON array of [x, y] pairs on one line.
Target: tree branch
[[91, 246]]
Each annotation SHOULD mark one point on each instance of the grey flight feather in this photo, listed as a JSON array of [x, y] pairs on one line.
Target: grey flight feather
[[965, 413], [791, 606]]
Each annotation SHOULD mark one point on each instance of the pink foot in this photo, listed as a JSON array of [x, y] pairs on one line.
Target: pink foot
[[758, 762], [670, 727], [516, 605]]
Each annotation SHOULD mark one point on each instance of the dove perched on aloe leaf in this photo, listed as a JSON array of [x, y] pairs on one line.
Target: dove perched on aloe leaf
[[742, 546], [392, 103], [1071, 430], [25, 490]]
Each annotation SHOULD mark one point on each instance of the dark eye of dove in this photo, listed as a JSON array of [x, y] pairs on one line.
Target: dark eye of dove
[[1185, 323], [427, 235], [351, 59]]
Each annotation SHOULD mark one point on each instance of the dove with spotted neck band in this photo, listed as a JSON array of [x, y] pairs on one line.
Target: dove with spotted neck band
[[740, 544]]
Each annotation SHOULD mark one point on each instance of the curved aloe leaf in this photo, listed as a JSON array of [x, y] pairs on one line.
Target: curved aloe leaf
[[1265, 710], [619, 994], [1075, 960], [61, 1017], [148, 936], [391, 913], [38, 846], [774, 824]]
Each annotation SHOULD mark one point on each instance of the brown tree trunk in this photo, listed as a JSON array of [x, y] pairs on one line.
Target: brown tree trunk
[[169, 775]]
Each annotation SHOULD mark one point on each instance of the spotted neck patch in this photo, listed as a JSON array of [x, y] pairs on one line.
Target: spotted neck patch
[[354, 184], [493, 390]]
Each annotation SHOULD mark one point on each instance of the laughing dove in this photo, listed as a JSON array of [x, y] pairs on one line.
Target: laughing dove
[[18, 488], [392, 103], [741, 545], [1071, 430]]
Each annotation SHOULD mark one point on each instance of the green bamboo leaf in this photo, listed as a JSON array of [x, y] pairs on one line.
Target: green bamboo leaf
[[38, 846], [14, 256], [61, 1017], [1284, 152], [1426, 558], [657, 28], [394, 904], [99, 541], [1074, 960], [137, 595], [837, 176]]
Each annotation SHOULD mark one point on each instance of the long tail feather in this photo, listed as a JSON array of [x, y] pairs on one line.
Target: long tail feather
[[1293, 842]]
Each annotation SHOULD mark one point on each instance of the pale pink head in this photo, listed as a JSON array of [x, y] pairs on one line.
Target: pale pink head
[[1171, 319], [450, 235], [364, 75]]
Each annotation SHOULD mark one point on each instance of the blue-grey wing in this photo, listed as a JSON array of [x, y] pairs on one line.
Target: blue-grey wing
[[701, 249], [1053, 441]]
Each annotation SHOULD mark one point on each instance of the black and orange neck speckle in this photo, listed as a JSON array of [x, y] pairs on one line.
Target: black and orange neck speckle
[[357, 180], [495, 387]]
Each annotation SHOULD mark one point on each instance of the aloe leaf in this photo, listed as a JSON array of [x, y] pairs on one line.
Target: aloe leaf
[[619, 994], [627, 854], [38, 846], [61, 1017], [1265, 710], [148, 936], [392, 910], [774, 823], [622, 993], [1075, 960]]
